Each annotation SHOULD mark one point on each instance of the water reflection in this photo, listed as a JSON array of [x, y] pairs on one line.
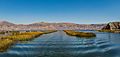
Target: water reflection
[[59, 44]]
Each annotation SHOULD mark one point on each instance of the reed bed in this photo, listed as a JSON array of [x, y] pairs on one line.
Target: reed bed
[[110, 31], [49, 31], [7, 41], [23, 36], [80, 34], [2, 32]]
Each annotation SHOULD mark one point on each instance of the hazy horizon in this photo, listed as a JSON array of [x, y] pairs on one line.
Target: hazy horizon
[[55, 22], [73, 11]]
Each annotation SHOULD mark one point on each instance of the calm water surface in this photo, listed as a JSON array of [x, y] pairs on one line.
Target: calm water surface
[[59, 44]]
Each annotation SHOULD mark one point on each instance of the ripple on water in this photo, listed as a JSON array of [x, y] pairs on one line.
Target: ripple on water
[[59, 44]]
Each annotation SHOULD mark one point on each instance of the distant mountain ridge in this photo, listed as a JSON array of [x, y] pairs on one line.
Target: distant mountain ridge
[[4, 25]]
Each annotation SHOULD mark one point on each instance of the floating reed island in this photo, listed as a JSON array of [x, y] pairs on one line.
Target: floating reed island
[[7, 41], [80, 34]]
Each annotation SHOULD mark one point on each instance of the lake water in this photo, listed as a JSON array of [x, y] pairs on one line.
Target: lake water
[[58, 44]]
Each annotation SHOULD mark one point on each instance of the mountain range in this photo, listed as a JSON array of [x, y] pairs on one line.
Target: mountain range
[[5, 25]]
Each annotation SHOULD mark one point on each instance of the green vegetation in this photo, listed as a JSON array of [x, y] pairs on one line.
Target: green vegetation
[[105, 30], [2, 32], [111, 31], [49, 31], [80, 34], [7, 41], [23, 36]]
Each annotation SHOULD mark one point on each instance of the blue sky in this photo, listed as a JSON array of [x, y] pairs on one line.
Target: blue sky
[[75, 11]]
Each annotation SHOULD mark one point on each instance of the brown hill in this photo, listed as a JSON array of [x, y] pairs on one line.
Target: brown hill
[[112, 26], [4, 25]]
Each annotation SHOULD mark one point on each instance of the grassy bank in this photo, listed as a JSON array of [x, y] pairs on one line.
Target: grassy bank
[[7, 41], [80, 34]]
